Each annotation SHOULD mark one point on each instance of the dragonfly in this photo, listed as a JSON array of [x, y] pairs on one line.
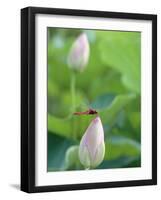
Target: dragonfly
[[88, 112]]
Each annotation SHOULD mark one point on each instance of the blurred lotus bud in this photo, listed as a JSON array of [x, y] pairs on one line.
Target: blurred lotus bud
[[71, 157], [79, 53], [92, 146]]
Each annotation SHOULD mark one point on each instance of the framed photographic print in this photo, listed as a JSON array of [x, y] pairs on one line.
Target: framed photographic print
[[88, 99]]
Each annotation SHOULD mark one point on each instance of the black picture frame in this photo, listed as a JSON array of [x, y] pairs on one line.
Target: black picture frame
[[28, 98]]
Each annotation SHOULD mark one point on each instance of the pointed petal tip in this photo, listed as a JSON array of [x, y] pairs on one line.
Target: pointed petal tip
[[96, 120]]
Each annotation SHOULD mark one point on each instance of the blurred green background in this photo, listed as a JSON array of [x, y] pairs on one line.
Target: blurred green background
[[110, 84]]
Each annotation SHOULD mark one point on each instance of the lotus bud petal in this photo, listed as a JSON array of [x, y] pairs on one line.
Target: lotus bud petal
[[92, 146], [79, 53]]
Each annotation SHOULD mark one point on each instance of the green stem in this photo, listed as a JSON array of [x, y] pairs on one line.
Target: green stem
[[73, 96], [73, 91]]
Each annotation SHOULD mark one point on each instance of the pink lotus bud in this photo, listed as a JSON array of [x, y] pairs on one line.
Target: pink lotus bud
[[92, 147], [79, 53]]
